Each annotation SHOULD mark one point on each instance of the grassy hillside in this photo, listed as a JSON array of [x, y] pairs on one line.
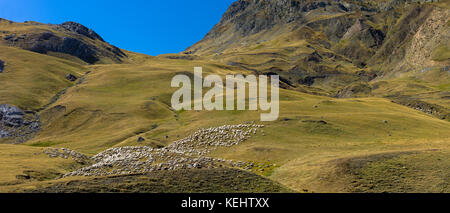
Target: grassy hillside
[[23, 164], [30, 79], [345, 125], [116, 104]]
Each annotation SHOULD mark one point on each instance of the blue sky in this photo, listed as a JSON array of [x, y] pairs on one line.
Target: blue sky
[[146, 26]]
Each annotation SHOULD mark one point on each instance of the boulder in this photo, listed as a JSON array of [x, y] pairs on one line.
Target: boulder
[[71, 77], [2, 66]]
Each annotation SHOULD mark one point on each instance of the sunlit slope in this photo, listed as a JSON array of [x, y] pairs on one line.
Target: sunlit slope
[[116, 104], [23, 164], [30, 80]]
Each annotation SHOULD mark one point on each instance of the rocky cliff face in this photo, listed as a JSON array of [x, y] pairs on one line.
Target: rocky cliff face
[[249, 17], [348, 48], [341, 41], [355, 29], [17, 124], [68, 38]]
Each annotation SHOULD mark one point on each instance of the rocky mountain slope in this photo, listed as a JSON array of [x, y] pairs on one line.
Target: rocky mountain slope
[[339, 48], [16, 123], [68, 38]]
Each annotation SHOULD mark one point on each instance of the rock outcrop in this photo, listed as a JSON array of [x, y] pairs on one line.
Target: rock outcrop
[[16, 124], [2, 66], [432, 109], [71, 77]]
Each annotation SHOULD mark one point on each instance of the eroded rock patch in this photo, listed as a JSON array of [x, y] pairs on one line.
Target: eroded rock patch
[[17, 124]]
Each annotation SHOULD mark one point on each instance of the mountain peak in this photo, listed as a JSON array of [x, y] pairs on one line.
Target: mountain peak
[[69, 40], [314, 43], [81, 29]]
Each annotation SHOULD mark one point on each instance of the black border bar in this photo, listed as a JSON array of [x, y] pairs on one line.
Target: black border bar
[[163, 202]]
